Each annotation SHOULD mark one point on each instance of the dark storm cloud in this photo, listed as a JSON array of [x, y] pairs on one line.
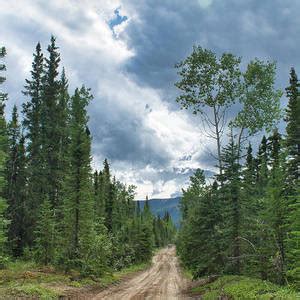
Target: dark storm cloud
[[264, 29], [125, 138]]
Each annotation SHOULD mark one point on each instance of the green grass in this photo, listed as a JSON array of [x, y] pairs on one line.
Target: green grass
[[27, 279], [241, 287]]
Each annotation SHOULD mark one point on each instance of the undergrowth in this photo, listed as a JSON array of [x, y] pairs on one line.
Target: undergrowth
[[29, 280], [241, 287]]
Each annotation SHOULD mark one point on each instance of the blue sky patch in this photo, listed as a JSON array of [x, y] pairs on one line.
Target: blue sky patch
[[118, 19]]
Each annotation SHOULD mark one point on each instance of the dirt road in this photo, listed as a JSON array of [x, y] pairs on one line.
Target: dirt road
[[162, 281]]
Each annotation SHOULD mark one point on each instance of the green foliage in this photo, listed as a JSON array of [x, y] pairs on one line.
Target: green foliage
[[78, 205], [293, 129], [32, 127], [45, 234], [240, 287], [247, 221], [96, 261], [210, 85], [199, 236], [15, 191], [260, 102], [293, 178], [293, 240], [208, 80]]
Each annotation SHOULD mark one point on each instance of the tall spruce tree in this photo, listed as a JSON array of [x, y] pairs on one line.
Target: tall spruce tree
[[107, 194], [63, 155], [293, 128], [233, 204], [33, 90], [50, 120], [202, 223], [78, 206], [276, 205], [293, 178], [16, 186]]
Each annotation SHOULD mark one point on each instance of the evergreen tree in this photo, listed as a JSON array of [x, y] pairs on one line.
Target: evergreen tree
[[293, 128], [107, 194], [231, 181], [16, 186], [276, 219], [199, 236], [50, 121], [293, 240], [64, 141], [293, 178], [32, 127], [99, 188], [252, 229], [45, 234], [78, 206]]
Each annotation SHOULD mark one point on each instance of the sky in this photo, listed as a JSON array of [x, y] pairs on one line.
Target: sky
[[125, 51]]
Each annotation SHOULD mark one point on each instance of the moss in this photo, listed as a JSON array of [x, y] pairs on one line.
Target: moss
[[241, 287]]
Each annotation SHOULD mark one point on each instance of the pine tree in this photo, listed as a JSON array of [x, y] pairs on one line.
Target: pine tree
[[32, 127], [45, 234], [64, 140], [202, 223], [276, 216], [78, 204], [293, 240], [50, 121], [252, 222], [16, 186], [293, 128], [231, 181], [12, 168], [293, 177], [107, 194], [99, 195]]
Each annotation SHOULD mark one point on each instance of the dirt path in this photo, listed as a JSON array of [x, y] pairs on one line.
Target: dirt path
[[162, 281]]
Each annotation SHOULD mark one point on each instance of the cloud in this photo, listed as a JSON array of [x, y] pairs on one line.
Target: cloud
[[125, 50], [205, 3]]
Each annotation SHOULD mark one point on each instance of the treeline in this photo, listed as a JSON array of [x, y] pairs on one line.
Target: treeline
[[247, 221], [53, 208]]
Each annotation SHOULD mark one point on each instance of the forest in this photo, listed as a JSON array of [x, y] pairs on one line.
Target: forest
[[60, 215], [54, 209], [246, 220]]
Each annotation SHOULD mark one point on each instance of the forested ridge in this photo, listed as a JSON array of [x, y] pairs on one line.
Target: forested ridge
[[54, 209], [246, 220]]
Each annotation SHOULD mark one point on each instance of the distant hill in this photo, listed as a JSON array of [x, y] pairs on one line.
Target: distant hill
[[160, 206]]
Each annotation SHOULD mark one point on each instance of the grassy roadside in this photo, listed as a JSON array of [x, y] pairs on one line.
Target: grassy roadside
[[242, 287], [28, 280]]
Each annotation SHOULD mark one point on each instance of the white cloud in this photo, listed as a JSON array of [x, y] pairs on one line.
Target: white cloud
[[91, 53]]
